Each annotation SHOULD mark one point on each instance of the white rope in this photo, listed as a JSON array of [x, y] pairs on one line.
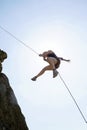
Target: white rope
[[59, 73], [18, 39], [73, 99]]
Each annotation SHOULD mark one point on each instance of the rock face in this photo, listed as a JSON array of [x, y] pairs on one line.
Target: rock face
[[11, 117], [3, 56]]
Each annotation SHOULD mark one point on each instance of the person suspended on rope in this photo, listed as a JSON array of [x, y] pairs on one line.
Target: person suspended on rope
[[54, 63]]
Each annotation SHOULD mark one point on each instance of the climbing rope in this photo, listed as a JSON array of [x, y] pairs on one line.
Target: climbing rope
[[59, 73], [18, 39], [73, 99]]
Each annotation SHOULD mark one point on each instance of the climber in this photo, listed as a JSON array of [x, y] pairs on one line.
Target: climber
[[54, 63]]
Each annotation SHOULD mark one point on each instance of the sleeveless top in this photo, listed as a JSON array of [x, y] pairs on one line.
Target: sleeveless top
[[52, 55]]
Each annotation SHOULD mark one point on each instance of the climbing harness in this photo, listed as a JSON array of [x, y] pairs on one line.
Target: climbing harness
[[59, 73]]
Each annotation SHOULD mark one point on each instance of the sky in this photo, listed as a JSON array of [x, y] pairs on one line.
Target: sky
[[42, 25]]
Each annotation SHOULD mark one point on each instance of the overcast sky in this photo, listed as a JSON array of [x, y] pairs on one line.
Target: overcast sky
[[42, 25]]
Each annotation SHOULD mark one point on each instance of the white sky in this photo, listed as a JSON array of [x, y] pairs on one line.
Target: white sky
[[43, 25]]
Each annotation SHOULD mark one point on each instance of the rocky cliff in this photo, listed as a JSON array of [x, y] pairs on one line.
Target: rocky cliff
[[11, 117]]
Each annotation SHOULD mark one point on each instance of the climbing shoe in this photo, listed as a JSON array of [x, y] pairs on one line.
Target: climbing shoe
[[34, 78], [55, 73]]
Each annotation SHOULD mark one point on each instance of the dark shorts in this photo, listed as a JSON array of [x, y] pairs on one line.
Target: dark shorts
[[57, 64]]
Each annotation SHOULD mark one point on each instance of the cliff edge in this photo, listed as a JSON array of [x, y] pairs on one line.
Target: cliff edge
[[11, 117]]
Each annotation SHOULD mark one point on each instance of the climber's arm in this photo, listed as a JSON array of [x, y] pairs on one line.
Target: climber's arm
[[64, 59]]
